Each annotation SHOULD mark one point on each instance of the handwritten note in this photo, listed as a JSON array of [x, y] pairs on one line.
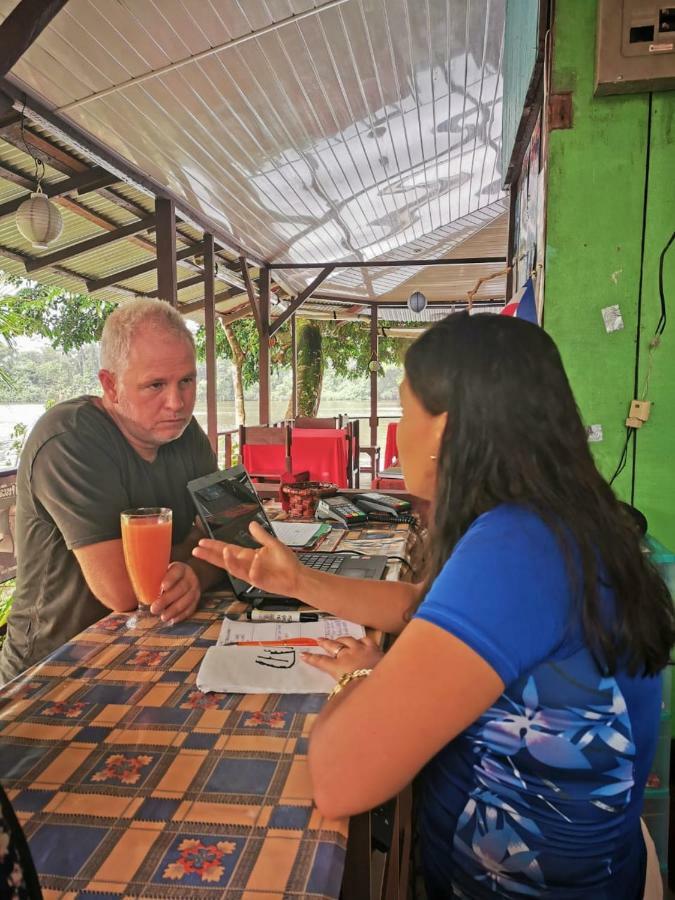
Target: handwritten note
[[261, 670], [229, 667], [243, 632]]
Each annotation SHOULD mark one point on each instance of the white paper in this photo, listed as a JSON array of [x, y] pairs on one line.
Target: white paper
[[232, 632], [295, 534], [261, 670]]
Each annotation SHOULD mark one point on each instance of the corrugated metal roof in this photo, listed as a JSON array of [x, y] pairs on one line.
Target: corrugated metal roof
[[370, 128]]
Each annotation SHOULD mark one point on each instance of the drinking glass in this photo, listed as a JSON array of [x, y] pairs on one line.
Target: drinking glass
[[146, 541]]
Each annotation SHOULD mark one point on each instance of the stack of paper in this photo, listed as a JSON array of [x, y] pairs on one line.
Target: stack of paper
[[264, 657], [299, 534]]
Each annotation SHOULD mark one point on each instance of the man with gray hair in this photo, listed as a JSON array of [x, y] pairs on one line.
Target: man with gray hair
[[88, 459]]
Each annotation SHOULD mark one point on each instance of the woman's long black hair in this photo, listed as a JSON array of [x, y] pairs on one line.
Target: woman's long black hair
[[514, 435]]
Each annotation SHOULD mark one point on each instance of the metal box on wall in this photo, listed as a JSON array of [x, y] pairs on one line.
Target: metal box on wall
[[635, 47]]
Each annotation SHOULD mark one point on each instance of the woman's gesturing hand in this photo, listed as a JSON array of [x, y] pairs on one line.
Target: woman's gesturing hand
[[272, 567]]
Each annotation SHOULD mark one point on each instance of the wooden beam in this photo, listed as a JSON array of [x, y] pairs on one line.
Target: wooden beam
[[264, 357], [50, 154], [239, 312], [22, 27], [210, 329], [196, 305], [300, 299], [82, 183], [249, 290], [96, 284], [101, 240], [185, 283], [10, 173], [393, 263], [167, 279], [15, 256], [373, 377]]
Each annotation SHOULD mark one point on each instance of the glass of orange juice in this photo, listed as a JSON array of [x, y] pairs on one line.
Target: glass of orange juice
[[146, 541]]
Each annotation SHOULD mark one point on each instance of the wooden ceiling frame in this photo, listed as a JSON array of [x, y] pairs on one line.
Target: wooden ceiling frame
[[80, 178], [99, 240], [97, 284], [22, 27]]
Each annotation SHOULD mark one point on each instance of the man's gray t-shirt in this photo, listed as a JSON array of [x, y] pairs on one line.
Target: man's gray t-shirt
[[77, 473]]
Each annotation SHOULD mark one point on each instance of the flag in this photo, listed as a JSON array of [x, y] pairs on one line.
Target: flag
[[523, 304]]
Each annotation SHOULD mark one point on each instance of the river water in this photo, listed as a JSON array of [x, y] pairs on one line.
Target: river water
[[12, 414]]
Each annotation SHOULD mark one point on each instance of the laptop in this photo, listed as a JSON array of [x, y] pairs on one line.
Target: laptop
[[227, 503]]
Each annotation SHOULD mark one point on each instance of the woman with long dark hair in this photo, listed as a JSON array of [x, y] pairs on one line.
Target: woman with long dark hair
[[523, 686]]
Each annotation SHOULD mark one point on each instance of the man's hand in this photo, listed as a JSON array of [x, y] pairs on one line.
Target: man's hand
[[180, 594]]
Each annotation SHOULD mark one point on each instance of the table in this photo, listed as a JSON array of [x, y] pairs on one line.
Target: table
[[322, 452], [391, 447], [128, 781]]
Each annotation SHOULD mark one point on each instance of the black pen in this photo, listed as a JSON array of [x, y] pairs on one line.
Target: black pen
[[263, 615]]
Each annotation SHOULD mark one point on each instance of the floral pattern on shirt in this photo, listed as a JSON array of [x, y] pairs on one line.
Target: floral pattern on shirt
[[536, 767]]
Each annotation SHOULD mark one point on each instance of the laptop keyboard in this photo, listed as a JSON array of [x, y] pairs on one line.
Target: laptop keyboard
[[325, 562]]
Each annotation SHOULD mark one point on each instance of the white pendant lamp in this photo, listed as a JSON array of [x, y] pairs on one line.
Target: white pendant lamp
[[39, 220]]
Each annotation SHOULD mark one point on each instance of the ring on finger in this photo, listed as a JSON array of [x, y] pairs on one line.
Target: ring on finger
[[339, 651]]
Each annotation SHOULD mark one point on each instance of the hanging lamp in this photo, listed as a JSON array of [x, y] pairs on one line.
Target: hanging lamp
[[38, 219], [417, 302]]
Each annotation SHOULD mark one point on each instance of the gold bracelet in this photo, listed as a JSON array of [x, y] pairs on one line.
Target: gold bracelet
[[344, 680]]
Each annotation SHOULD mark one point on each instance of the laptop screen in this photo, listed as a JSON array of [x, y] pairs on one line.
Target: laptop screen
[[227, 503]]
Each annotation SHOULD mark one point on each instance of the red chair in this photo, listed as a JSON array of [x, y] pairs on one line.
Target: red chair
[[391, 447], [265, 451], [332, 422]]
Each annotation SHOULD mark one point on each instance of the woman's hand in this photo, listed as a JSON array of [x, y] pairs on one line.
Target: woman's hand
[[272, 567], [346, 654]]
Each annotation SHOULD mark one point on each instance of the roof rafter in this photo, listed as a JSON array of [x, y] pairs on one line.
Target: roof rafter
[[100, 240], [300, 299], [97, 284], [22, 27]]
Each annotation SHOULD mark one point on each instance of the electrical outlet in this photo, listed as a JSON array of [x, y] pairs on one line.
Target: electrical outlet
[[640, 409]]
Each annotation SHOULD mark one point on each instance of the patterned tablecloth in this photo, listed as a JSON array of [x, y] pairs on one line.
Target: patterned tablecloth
[[130, 782]]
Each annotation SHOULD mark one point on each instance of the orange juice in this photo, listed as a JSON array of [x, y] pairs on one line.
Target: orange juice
[[146, 540]]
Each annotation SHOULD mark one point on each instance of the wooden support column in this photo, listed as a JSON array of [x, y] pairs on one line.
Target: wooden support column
[[264, 359], [373, 376], [167, 278], [210, 328], [294, 364]]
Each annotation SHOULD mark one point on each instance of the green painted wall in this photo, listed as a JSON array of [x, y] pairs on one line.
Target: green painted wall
[[595, 201]]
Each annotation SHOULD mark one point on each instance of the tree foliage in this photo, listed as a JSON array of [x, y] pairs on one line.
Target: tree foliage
[[68, 321]]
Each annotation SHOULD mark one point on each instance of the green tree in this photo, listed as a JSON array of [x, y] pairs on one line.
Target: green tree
[[345, 346], [68, 321]]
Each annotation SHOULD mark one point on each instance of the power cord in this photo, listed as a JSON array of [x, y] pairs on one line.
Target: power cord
[[653, 345]]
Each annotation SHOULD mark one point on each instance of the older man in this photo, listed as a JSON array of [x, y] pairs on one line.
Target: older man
[[88, 459]]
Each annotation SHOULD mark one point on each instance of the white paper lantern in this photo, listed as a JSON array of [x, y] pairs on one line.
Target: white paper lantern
[[39, 220], [417, 302]]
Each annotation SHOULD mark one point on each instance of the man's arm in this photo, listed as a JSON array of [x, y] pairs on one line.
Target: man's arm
[[105, 572]]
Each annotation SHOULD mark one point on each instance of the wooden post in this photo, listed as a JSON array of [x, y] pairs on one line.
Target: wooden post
[[294, 364], [373, 376], [166, 250], [264, 358], [22, 27], [210, 328]]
